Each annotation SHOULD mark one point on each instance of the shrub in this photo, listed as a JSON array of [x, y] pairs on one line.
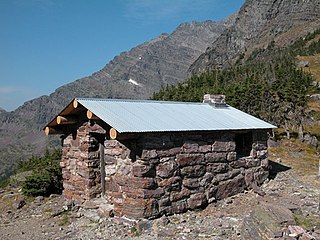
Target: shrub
[[47, 176]]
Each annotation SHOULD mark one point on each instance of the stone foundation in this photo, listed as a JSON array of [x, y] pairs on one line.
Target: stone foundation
[[164, 173]]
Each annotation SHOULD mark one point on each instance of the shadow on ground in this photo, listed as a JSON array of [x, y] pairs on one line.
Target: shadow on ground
[[276, 168]]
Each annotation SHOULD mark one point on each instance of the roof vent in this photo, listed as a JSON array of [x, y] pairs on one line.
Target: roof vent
[[217, 101]]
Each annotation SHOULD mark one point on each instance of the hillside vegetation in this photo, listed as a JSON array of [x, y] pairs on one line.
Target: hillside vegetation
[[267, 84], [314, 65], [38, 176]]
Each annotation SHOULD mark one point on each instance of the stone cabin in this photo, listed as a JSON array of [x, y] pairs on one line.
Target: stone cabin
[[151, 158]]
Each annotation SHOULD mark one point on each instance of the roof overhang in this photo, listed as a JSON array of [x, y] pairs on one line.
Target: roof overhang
[[68, 119], [139, 116]]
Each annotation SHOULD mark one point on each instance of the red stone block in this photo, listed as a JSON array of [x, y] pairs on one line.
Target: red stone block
[[223, 146], [205, 148], [138, 208], [180, 206], [197, 200], [190, 147], [135, 182], [176, 196], [140, 170], [231, 187], [171, 184], [191, 183], [232, 156], [149, 154], [238, 163], [142, 193], [216, 157], [190, 159], [111, 185], [172, 152], [193, 171], [166, 169], [117, 198], [217, 167]]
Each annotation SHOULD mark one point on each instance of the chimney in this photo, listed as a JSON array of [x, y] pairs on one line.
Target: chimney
[[218, 101]]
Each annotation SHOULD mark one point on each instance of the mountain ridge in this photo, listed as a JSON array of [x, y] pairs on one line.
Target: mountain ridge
[[259, 23]]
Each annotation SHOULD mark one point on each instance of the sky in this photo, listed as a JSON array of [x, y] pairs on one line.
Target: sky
[[45, 44]]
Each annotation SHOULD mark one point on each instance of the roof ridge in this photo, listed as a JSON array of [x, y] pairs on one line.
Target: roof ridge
[[138, 100]]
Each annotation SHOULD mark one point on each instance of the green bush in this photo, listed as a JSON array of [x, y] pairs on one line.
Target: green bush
[[4, 183], [47, 176]]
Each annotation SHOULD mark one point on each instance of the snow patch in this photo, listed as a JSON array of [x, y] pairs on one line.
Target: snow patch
[[133, 82]]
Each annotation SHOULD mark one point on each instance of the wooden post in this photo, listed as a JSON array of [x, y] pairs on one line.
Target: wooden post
[[319, 170], [102, 170]]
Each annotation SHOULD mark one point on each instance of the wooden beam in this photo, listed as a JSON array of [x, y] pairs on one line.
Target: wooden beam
[[66, 120], [113, 133], [102, 170], [91, 116], [50, 130], [75, 103]]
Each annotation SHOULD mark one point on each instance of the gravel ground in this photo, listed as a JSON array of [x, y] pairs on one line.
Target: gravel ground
[[44, 218]]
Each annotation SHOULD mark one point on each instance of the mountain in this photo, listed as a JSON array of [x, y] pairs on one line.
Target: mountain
[[135, 74], [2, 110], [258, 24], [144, 69]]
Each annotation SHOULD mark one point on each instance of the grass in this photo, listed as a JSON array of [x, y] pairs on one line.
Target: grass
[[4, 183], [6, 205], [314, 129], [134, 231], [307, 222], [303, 158], [314, 65], [64, 219], [313, 106]]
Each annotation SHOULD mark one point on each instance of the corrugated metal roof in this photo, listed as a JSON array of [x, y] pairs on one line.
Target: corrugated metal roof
[[161, 116]]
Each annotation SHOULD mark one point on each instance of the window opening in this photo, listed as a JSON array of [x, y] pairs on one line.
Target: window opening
[[243, 144]]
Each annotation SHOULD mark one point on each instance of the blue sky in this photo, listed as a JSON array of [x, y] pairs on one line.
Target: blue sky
[[47, 43]]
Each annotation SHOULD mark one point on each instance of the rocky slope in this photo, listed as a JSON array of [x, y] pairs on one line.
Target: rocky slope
[[258, 23], [135, 74]]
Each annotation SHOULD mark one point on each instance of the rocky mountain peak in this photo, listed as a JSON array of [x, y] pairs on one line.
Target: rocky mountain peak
[[2, 110], [257, 24]]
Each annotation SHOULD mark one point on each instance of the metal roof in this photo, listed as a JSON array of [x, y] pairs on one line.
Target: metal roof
[[132, 116]]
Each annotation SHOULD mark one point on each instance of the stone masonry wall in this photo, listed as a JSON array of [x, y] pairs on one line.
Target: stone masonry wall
[[81, 164], [165, 173]]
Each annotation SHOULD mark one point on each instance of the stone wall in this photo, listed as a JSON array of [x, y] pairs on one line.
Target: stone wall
[[81, 164], [163, 173]]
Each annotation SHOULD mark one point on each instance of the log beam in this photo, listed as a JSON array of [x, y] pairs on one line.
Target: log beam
[[75, 103], [66, 120], [91, 116], [50, 130], [113, 133]]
